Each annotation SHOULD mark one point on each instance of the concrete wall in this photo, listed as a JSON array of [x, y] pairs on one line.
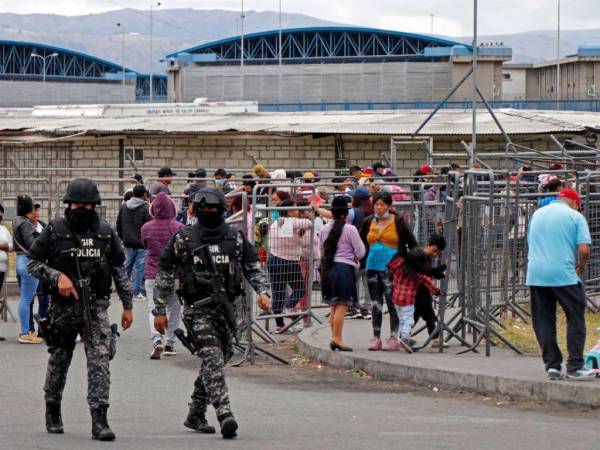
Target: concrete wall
[[489, 79], [231, 152], [515, 87], [579, 79], [315, 83], [18, 93]]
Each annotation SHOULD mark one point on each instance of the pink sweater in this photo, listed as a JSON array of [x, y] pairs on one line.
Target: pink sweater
[[289, 247]]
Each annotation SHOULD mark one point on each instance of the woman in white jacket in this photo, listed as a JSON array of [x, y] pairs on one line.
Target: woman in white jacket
[[5, 247]]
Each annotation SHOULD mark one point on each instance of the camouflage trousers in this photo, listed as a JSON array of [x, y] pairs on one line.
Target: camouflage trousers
[[97, 344], [214, 341]]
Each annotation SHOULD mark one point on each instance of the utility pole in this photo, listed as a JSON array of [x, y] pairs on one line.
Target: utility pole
[[122, 27], [474, 94], [242, 54], [432, 16], [151, 55]]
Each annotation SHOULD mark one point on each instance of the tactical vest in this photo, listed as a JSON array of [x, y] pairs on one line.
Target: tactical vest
[[92, 249], [226, 253]]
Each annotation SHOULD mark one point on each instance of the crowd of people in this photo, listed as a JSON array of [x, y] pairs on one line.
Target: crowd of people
[[365, 258]]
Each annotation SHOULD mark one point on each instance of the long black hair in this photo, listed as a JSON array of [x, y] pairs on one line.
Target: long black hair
[[339, 209]]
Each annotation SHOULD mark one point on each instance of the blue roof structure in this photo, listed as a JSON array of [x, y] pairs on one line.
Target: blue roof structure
[[17, 62], [322, 43]]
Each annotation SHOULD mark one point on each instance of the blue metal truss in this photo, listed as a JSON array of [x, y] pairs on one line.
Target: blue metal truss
[[16, 59], [159, 87], [16, 62], [322, 44]]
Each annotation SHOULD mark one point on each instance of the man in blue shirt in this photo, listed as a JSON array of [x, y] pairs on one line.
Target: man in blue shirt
[[559, 249]]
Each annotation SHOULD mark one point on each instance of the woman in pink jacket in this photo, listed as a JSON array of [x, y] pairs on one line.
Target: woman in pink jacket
[[155, 236]]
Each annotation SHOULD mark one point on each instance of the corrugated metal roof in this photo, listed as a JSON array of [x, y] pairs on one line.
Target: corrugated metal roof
[[445, 122]]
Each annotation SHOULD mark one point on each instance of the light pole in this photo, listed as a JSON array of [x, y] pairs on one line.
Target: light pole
[[151, 56], [280, 54], [122, 27], [44, 61], [432, 16], [558, 84], [280, 31], [242, 53]]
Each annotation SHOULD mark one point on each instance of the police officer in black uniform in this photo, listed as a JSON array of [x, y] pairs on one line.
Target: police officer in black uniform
[[187, 258], [77, 256]]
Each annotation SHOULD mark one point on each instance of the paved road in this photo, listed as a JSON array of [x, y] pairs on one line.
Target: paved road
[[298, 407]]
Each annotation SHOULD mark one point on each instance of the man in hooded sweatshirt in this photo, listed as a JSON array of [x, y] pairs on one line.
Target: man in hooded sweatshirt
[[133, 214], [155, 236]]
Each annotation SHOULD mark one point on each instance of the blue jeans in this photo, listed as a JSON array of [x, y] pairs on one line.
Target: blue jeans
[[405, 320], [28, 287], [43, 298], [136, 263], [284, 273]]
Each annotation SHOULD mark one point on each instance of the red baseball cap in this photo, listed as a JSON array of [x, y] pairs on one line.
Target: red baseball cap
[[426, 169], [570, 194]]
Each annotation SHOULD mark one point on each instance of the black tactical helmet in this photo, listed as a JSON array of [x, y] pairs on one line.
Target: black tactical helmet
[[82, 190], [209, 197]]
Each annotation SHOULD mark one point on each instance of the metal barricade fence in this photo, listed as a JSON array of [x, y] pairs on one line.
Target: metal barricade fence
[[287, 242]]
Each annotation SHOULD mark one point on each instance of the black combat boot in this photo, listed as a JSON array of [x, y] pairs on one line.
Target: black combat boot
[[100, 429], [196, 420], [54, 423], [228, 426]]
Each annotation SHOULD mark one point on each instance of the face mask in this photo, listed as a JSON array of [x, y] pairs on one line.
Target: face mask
[[220, 182], [81, 219], [385, 216], [211, 219]]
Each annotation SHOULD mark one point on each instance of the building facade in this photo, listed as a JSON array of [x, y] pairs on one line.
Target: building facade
[[331, 65], [579, 78]]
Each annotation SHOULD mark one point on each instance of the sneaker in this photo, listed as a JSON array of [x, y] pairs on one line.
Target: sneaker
[[295, 328], [279, 329], [404, 344], [436, 344], [375, 344], [391, 345], [356, 315], [412, 343], [169, 350], [367, 316], [554, 374], [157, 350], [2, 338], [583, 374], [30, 338], [140, 297]]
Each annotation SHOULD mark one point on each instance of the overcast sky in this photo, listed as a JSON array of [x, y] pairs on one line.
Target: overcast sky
[[452, 17]]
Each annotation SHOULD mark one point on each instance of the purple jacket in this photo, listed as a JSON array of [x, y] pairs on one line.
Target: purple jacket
[[157, 232]]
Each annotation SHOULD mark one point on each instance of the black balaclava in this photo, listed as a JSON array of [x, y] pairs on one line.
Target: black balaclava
[[210, 219], [81, 219]]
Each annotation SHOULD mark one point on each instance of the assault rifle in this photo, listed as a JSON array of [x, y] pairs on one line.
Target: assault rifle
[[83, 287], [218, 298]]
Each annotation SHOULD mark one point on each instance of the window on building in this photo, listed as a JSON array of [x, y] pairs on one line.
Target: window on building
[[506, 76], [134, 153]]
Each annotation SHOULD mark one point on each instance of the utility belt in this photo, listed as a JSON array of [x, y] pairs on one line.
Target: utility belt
[[198, 305], [95, 299]]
